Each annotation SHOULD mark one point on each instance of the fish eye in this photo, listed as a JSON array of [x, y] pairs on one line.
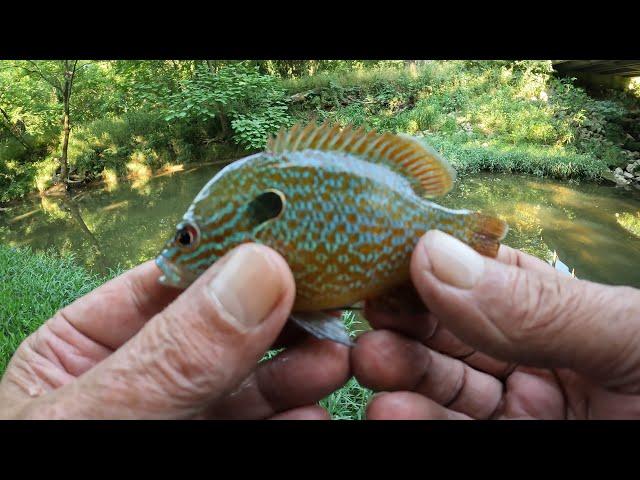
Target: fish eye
[[267, 206], [186, 236]]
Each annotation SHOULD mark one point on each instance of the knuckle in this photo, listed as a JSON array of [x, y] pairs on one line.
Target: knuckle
[[183, 364], [457, 387], [622, 304], [538, 306]]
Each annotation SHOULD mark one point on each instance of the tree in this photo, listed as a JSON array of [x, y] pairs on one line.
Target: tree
[[246, 105], [60, 75], [16, 130]]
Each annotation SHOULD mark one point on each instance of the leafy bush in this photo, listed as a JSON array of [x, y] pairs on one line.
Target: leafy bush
[[516, 111], [237, 97], [111, 142], [594, 124]]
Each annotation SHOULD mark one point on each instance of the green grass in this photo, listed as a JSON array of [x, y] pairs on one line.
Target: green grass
[[477, 156], [350, 401], [483, 116], [33, 286]]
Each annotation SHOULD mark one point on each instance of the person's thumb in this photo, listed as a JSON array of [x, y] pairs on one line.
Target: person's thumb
[[534, 316], [198, 349]]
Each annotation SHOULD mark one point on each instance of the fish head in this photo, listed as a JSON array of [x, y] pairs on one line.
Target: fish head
[[231, 209]]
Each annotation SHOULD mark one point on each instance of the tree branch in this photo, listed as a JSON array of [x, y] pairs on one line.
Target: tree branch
[[9, 128], [51, 81], [73, 75]]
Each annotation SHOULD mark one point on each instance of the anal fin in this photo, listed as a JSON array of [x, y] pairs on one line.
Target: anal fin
[[323, 325]]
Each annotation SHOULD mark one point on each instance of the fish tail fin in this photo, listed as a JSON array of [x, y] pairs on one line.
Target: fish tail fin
[[485, 233]]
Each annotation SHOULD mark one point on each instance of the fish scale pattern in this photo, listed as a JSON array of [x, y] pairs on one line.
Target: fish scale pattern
[[347, 227]]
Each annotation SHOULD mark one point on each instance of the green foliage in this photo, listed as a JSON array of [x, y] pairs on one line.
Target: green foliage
[[253, 103], [502, 115], [348, 402], [499, 116], [29, 101], [252, 130], [32, 288], [145, 84], [594, 125], [305, 68], [106, 142], [15, 177], [474, 157]]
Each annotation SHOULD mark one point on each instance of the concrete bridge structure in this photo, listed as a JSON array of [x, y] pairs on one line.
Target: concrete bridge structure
[[600, 73]]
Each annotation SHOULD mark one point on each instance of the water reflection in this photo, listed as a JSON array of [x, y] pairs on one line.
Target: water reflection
[[106, 229], [594, 229], [580, 222], [629, 222]]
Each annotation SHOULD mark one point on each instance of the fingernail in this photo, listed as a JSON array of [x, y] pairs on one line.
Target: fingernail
[[452, 261], [378, 394], [248, 286]]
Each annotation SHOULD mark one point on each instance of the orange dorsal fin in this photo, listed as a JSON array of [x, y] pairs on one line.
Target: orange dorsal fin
[[429, 173]]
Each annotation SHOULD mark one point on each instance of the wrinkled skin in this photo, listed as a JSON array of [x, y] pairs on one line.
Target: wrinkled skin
[[523, 341], [136, 349], [504, 338]]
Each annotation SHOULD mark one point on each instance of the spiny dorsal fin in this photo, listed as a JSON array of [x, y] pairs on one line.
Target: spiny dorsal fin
[[429, 173]]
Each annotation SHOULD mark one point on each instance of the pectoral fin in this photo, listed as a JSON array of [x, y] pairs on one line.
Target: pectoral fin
[[323, 325]]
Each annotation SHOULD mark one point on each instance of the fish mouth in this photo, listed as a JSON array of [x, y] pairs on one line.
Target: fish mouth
[[173, 276]]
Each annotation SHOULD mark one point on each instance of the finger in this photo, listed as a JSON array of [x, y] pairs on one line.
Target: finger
[[195, 351], [311, 412], [408, 406], [420, 326], [385, 361], [531, 317], [401, 299], [426, 328], [511, 256], [403, 310], [87, 331], [290, 335], [117, 310], [299, 376], [533, 393], [444, 341]]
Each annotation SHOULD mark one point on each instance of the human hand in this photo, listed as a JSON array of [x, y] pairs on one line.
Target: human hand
[[136, 349], [502, 338]]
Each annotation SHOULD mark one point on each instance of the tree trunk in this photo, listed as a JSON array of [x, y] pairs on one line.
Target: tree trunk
[[214, 66], [225, 124], [66, 131], [411, 65], [66, 119]]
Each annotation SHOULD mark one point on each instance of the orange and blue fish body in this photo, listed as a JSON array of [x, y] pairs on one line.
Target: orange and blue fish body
[[344, 208]]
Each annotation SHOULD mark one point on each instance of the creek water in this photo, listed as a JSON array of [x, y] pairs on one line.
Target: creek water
[[594, 229]]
